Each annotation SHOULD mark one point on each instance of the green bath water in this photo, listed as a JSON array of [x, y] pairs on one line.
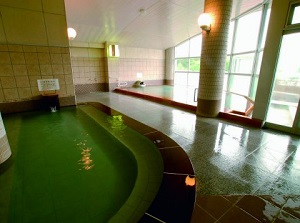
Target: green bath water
[[65, 168]]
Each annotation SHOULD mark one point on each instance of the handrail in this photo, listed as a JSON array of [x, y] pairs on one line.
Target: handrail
[[195, 98], [248, 110]]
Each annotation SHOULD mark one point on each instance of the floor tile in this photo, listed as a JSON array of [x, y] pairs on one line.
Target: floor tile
[[259, 208], [208, 203]]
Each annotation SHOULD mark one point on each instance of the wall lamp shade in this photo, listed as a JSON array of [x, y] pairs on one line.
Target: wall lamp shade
[[190, 180], [113, 50], [71, 33], [204, 21]]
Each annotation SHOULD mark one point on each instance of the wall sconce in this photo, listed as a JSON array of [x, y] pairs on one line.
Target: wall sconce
[[113, 51], [71, 33], [204, 22], [190, 180]]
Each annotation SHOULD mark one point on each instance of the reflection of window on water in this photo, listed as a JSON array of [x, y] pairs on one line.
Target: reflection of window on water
[[117, 124]]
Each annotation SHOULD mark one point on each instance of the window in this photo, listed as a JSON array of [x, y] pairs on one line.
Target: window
[[244, 54], [295, 14], [187, 62]]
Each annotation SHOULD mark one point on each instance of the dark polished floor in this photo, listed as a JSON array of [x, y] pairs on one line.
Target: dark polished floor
[[244, 174]]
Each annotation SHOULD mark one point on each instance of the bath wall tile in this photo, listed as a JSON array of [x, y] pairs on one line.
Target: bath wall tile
[[54, 6], [11, 94], [3, 48], [35, 91], [47, 77], [8, 82], [33, 70], [5, 58], [6, 70], [61, 78], [42, 49], [69, 79], [65, 50], [20, 70], [70, 90], [62, 90], [55, 49], [24, 93], [46, 69], [66, 58], [33, 80], [31, 58], [57, 69], [22, 81], [17, 58], [2, 98], [15, 48], [29, 49], [44, 58], [56, 58], [55, 25], [67, 69]]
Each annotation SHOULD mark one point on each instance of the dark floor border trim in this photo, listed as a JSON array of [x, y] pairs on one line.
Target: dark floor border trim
[[175, 200]]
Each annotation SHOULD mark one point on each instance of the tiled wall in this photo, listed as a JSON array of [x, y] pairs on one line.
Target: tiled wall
[[94, 71], [88, 66], [21, 66], [33, 45], [149, 62]]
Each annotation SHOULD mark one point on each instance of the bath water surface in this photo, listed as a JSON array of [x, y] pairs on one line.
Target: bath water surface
[[65, 168]]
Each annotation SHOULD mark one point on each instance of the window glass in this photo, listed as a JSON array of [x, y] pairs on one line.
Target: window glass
[[182, 64], [247, 32], [193, 79], [182, 50], [239, 84], [195, 64], [195, 46], [180, 79], [296, 15], [242, 63]]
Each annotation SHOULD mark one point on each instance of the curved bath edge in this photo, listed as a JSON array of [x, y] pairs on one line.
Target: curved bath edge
[[174, 201]]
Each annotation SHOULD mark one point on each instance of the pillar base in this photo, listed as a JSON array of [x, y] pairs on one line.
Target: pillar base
[[208, 108]]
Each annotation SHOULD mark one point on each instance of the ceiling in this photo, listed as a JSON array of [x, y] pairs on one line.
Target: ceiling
[[156, 24]]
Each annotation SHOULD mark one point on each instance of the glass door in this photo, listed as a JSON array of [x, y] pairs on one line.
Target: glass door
[[283, 112]]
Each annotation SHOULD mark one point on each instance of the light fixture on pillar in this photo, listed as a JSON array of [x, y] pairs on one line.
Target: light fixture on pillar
[[71, 33], [204, 22], [190, 180]]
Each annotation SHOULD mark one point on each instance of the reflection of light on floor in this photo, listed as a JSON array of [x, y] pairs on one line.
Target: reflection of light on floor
[[282, 115]]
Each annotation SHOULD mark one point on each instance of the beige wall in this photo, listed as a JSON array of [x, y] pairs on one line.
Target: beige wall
[[21, 66], [33, 45], [149, 62], [92, 69], [88, 65]]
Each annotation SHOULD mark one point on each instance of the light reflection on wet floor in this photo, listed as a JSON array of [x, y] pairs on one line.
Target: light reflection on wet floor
[[251, 174]]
